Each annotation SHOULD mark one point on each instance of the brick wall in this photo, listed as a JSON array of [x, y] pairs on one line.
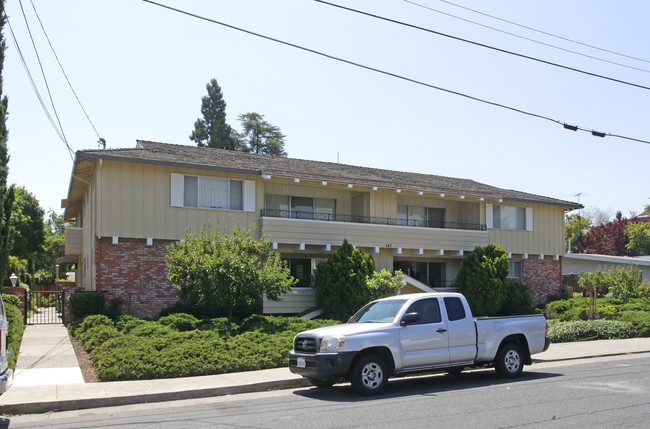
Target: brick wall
[[19, 292], [544, 277], [136, 273]]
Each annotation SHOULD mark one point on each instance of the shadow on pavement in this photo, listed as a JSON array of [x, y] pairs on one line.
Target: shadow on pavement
[[429, 385]]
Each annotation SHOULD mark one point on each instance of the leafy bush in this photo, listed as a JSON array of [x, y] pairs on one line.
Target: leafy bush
[[481, 279], [16, 322], [114, 308], [561, 332], [639, 319], [136, 349], [11, 299], [82, 304], [517, 299], [180, 322]]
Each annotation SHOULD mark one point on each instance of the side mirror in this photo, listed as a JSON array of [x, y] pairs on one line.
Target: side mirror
[[410, 318]]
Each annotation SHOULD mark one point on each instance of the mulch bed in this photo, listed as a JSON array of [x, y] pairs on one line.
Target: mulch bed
[[85, 363]]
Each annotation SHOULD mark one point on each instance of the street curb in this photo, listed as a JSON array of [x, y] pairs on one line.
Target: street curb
[[79, 404], [589, 357]]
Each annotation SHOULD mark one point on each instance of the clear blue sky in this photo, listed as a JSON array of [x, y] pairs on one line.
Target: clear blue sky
[[140, 72]]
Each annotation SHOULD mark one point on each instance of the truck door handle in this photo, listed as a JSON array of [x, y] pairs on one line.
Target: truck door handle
[[441, 330]]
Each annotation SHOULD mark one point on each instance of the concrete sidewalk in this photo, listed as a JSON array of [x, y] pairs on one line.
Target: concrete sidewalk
[[29, 399]]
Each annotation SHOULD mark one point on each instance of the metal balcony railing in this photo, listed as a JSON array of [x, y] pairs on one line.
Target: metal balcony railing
[[327, 217]]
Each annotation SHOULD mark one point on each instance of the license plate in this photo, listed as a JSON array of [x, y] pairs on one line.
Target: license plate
[[301, 363]]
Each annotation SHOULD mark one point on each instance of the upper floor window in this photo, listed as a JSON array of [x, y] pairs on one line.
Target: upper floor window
[[212, 193], [420, 216], [301, 205], [509, 217]]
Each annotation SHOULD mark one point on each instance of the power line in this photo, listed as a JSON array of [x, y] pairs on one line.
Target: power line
[[546, 33], [526, 38], [397, 76], [63, 71], [35, 88], [47, 86], [460, 39]]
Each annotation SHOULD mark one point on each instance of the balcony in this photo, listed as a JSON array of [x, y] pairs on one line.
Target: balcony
[[414, 238], [325, 217]]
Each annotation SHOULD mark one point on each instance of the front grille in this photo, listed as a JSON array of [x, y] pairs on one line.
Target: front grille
[[305, 345]]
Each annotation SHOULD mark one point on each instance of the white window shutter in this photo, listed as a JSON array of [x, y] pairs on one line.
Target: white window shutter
[[489, 222], [529, 218], [249, 195], [176, 190]]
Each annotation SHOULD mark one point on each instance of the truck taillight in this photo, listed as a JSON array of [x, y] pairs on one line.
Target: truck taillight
[[546, 333]]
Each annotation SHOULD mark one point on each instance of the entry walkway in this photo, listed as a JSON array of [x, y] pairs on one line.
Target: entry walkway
[[46, 358]]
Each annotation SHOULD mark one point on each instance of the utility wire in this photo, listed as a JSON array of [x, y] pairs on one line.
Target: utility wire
[[460, 39], [47, 86], [397, 76], [62, 70], [526, 38], [546, 33], [35, 88]]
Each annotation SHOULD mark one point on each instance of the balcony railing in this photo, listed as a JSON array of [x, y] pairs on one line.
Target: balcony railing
[[326, 217]]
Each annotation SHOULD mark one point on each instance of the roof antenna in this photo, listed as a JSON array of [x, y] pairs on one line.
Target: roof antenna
[[101, 143]]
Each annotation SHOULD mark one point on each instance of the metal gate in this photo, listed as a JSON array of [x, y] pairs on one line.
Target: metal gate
[[44, 307]]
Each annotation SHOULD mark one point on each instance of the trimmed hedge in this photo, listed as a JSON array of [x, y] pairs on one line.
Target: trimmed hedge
[[562, 332], [16, 322], [86, 303], [180, 345]]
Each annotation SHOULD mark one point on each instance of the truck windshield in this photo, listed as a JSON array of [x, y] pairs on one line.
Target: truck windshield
[[378, 312]]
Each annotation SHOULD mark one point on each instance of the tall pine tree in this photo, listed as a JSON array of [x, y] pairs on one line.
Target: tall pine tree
[[212, 130], [6, 195]]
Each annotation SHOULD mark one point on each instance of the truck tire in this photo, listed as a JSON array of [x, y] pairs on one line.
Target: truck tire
[[509, 361], [320, 382], [369, 375]]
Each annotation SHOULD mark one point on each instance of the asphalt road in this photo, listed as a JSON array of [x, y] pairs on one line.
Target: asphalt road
[[594, 393]]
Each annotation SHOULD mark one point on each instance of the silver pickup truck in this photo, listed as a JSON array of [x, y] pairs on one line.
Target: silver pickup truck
[[404, 334]]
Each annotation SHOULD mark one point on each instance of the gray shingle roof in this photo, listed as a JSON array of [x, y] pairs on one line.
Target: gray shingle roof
[[218, 159]]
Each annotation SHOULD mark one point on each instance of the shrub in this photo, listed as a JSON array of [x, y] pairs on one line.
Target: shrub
[[561, 332], [11, 299], [82, 304], [639, 319], [383, 284], [125, 323], [341, 282], [97, 335], [481, 279], [16, 322], [517, 299], [114, 308], [180, 322]]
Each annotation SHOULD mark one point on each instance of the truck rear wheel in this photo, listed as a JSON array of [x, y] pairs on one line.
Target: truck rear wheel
[[369, 375], [509, 362]]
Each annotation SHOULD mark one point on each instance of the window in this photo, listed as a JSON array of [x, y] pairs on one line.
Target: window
[[430, 273], [428, 309], [515, 270], [420, 216], [301, 270], [455, 309], [509, 217], [212, 193], [301, 207]]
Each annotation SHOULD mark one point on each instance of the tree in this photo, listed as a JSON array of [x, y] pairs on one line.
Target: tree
[[609, 239], [233, 269], [27, 234], [53, 248], [575, 232], [341, 282], [6, 194], [260, 137], [638, 236], [481, 279], [212, 130]]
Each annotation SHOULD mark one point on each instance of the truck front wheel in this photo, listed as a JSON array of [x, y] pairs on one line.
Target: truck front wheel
[[509, 362], [369, 375]]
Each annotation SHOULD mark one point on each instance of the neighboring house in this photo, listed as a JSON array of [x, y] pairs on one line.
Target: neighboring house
[[128, 205], [576, 263]]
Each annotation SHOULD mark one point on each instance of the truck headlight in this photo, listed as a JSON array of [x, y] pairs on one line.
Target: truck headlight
[[330, 343]]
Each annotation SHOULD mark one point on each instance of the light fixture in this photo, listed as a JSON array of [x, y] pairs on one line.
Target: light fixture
[[13, 279], [570, 127]]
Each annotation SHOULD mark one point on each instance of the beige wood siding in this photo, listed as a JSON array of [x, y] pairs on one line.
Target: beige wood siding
[[73, 240], [291, 303], [135, 202], [296, 231], [547, 236]]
